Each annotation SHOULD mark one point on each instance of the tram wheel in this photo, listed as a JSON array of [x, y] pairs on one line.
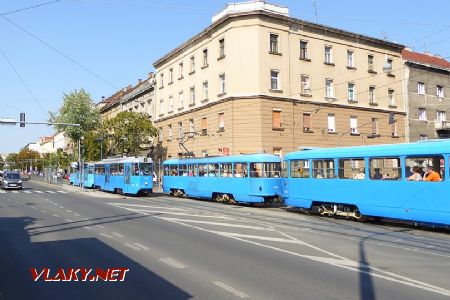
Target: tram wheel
[[268, 202]]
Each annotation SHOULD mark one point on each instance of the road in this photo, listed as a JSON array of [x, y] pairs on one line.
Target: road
[[182, 248]]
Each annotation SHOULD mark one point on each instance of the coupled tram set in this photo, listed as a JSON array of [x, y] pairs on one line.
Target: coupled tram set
[[407, 182]]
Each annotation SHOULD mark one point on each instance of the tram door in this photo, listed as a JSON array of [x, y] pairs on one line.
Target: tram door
[[107, 174], [127, 177]]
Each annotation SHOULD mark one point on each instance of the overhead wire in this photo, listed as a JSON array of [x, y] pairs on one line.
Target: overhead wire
[[29, 7]]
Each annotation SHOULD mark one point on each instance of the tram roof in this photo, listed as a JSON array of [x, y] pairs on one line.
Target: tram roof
[[410, 149], [137, 159], [262, 157]]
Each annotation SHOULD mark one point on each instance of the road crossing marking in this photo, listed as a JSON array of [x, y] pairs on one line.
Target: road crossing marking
[[141, 246], [15, 192], [62, 192], [76, 215], [27, 192], [231, 289], [56, 216], [132, 247], [219, 224], [51, 192], [2, 192], [117, 234], [39, 192], [106, 235], [172, 262]]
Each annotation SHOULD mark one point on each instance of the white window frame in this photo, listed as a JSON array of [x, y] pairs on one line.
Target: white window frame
[[372, 94], [329, 89], [180, 130], [275, 79], [305, 84], [328, 55], [441, 116], [350, 59], [191, 127], [192, 95], [351, 91], [331, 123], [170, 131], [222, 83], [205, 90], [205, 57], [371, 62], [161, 106], [422, 114], [171, 75], [170, 108], [304, 54], [181, 99], [420, 88], [192, 64], [440, 91], [354, 125], [161, 80], [222, 48], [391, 97], [180, 70], [274, 47], [221, 122]]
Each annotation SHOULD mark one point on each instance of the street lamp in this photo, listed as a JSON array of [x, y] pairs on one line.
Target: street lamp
[[100, 140]]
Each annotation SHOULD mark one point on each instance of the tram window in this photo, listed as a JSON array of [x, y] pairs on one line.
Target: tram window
[[114, 169], [272, 170], [145, 169], [351, 168], [299, 168], [166, 170], [240, 170], [213, 170], [416, 168], [225, 170], [202, 170], [385, 168], [284, 169], [256, 170], [182, 170], [323, 168], [192, 170], [173, 170], [99, 170], [120, 169]]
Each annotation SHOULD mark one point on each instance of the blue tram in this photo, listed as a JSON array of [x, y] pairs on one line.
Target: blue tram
[[254, 178], [88, 175], [400, 181], [74, 178], [127, 175]]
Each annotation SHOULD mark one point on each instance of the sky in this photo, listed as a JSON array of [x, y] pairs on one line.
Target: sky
[[105, 45]]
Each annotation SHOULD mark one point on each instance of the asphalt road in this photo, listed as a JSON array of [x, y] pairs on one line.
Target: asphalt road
[[182, 248]]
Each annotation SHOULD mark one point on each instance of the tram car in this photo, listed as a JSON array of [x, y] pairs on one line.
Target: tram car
[[409, 182], [88, 175], [254, 178], [125, 175]]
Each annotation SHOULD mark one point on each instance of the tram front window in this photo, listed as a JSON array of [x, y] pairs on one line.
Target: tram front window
[[145, 169]]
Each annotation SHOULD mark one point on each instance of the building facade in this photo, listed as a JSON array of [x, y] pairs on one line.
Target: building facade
[[427, 86], [257, 80]]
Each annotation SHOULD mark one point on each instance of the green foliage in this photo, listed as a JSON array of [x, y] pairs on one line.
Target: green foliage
[[11, 159], [131, 132], [27, 154], [93, 143], [77, 108]]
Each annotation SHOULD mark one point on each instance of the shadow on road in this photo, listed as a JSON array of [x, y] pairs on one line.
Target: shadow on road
[[18, 254]]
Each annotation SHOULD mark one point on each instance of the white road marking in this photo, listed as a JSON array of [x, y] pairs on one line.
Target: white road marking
[[68, 220], [56, 216], [51, 192], [76, 214], [43, 211], [172, 262], [149, 206], [220, 224], [62, 192], [27, 192], [141, 246], [68, 210], [132, 247], [86, 227], [33, 207], [100, 226], [15, 192], [256, 237], [231, 289], [147, 212], [39, 192], [2, 192], [106, 235], [117, 234], [341, 262]]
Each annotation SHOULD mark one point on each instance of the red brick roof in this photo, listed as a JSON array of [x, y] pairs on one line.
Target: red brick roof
[[425, 59]]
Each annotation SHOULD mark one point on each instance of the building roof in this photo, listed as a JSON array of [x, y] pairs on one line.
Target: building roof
[[425, 58]]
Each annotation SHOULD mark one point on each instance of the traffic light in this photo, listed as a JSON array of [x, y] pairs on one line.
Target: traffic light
[[22, 119]]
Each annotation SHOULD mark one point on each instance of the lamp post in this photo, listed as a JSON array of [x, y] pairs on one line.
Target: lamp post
[[100, 140]]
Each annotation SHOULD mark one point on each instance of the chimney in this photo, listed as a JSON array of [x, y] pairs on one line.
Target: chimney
[[103, 98], [129, 87], [150, 74], [139, 81]]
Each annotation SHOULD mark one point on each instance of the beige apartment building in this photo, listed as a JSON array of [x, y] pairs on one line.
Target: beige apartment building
[[257, 80]]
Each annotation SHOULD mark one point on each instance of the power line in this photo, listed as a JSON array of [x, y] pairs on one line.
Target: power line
[[29, 7], [23, 81], [61, 53]]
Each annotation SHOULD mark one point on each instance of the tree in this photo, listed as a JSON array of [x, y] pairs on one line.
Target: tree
[[11, 160], [27, 157], [94, 142], [131, 132], [77, 108]]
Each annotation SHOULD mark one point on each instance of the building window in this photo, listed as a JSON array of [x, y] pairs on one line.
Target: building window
[[305, 84], [440, 91], [170, 132], [221, 48], [191, 127], [351, 92], [354, 125], [274, 43], [170, 104], [221, 121], [372, 99], [441, 116], [421, 88], [192, 61], [422, 114], [161, 106], [371, 63], [391, 97], [205, 90], [394, 130], [180, 69], [306, 122], [329, 91], [181, 99], [161, 80], [205, 58], [303, 50], [204, 125], [276, 118], [350, 60], [180, 130], [192, 96], [222, 84], [389, 62], [170, 75], [160, 135], [331, 123], [374, 126], [423, 137], [328, 55], [274, 80]]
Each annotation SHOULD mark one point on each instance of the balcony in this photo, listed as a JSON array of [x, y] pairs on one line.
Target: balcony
[[441, 124]]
